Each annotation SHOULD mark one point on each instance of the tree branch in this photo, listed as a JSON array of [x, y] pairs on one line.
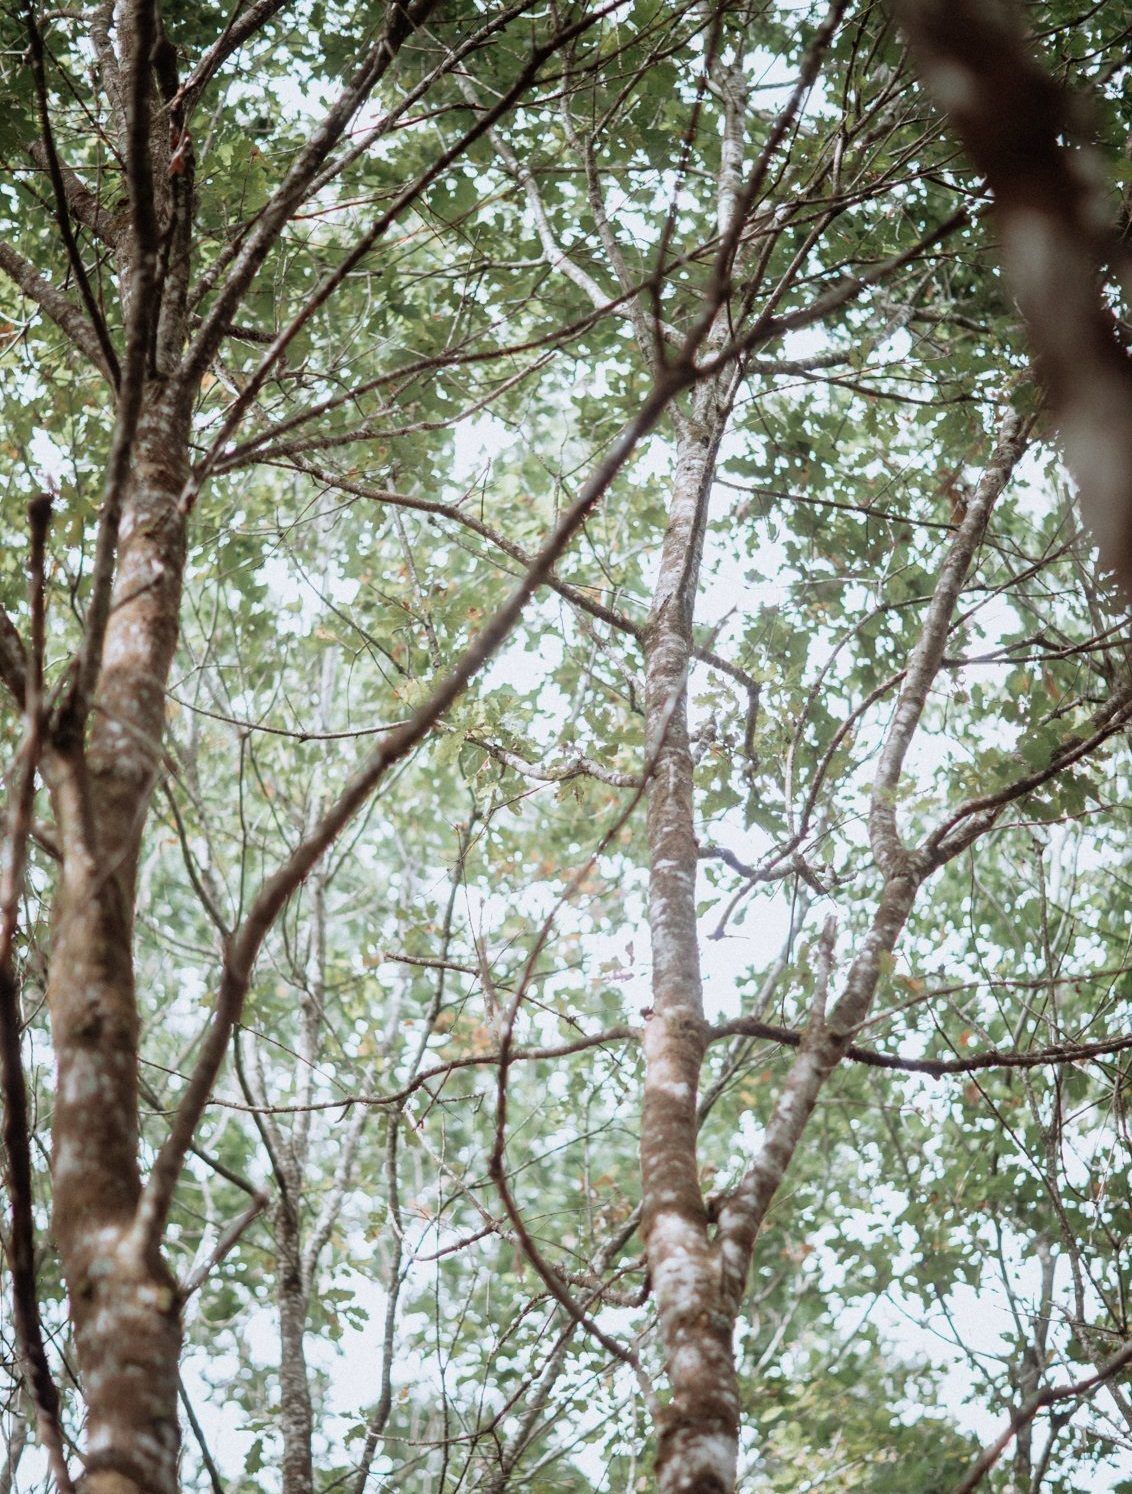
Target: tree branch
[[1053, 226], [274, 216], [240, 28], [935, 1068], [247, 265], [924, 661], [13, 660], [60, 308], [17, 1124], [1030, 1408], [81, 201], [62, 210]]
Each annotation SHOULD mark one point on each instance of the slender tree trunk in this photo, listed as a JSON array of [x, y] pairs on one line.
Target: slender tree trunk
[[124, 1302], [296, 1421], [294, 1266], [699, 1431]]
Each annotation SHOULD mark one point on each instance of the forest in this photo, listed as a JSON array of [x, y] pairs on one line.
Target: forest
[[565, 912]]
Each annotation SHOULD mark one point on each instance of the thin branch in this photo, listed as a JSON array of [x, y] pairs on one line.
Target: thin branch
[[240, 28], [1030, 1408], [381, 1410], [198, 356], [925, 659], [197, 1277], [585, 599], [936, 1068], [575, 767], [398, 1097], [82, 203], [60, 308], [765, 330], [17, 1123], [62, 209], [952, 836], [206, 1457]]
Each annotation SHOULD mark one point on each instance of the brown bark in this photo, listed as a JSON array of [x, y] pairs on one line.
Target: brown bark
[[698, 1435], [100, 764], [296, 1419], [123, 1300], [698, 1430]]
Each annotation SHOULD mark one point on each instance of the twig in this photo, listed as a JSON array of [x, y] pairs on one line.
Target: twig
[[231, 1235]]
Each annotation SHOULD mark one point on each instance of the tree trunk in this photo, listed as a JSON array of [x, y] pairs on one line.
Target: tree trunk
[[700, 1425], [296, 1420], [124, 1301]]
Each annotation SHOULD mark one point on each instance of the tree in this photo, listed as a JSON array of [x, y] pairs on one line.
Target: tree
[[491, 478]]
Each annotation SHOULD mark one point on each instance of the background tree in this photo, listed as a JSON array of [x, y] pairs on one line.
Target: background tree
[[552, 677]]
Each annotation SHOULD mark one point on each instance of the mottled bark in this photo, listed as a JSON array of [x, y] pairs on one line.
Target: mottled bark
[[699, 1272], [102, 752], [295, 1420], [699, 1431], [123, 1300]]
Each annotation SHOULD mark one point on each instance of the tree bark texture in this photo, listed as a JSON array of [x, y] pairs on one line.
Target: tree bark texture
[[100, 765], [295, 1420], [123, 1300], [698, 1435]]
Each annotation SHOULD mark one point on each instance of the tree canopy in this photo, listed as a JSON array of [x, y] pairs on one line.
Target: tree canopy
[[564, 917]]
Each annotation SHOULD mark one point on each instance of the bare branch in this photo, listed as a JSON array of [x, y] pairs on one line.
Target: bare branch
[[200, 1274], [575, 767], [82, 203], [586, 599], [556, 257], [240, 28], [935, 1068], [954, 836], [925, 659]]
